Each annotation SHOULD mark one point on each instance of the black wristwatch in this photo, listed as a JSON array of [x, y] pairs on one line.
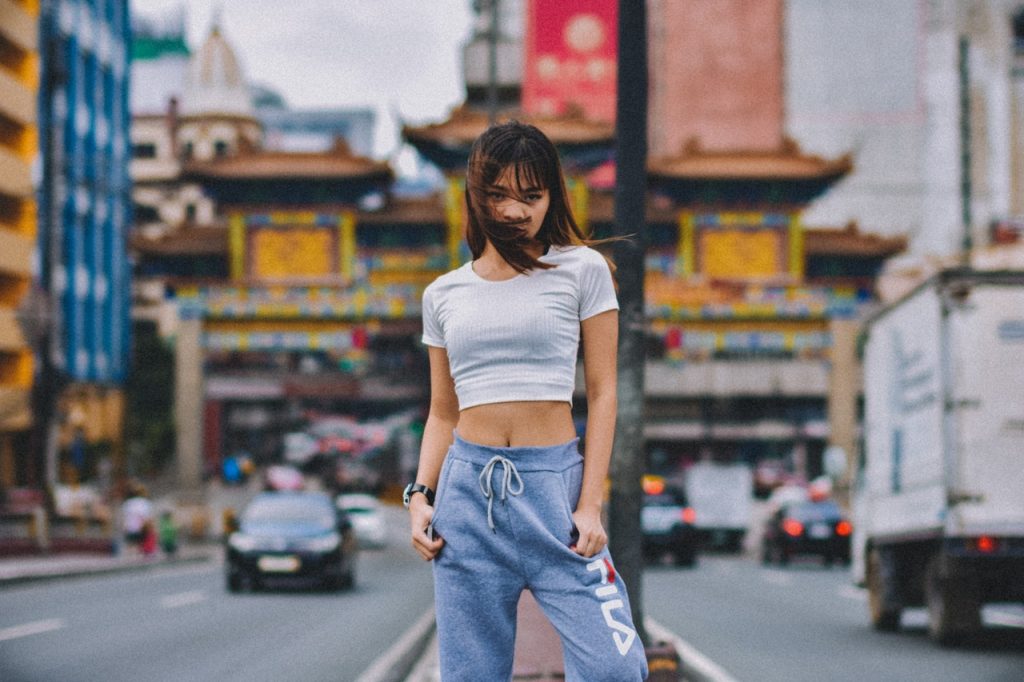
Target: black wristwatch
[[414, 488]]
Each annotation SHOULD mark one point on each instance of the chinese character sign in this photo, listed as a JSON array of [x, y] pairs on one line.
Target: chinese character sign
[[570, 61]]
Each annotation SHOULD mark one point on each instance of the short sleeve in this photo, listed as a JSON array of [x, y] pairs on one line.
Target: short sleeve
[[432, 334], [597, 290]]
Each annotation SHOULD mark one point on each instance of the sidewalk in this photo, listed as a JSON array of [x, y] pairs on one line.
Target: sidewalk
[[19, 570]]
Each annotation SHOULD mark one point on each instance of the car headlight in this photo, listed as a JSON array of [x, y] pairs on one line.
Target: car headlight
[[324, 543], [243, 543]]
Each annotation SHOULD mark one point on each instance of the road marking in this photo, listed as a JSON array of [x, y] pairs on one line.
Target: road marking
[[1005, 618], [173, 601], [852, 592], [383, 667], [34, 628], [776, 578], [695, 664]]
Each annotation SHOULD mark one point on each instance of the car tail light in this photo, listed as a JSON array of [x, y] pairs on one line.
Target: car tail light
[[986, 544], [689, 515], [844, 528], [792, 527]]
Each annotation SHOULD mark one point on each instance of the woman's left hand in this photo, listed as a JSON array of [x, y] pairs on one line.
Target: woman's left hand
[[592, 538]]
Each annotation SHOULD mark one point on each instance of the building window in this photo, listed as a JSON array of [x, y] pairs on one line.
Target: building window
[[190, 213], [186, 151], [220, 149], [144, 150]]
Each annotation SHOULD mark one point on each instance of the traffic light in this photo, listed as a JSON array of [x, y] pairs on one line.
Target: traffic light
[[19, 82]]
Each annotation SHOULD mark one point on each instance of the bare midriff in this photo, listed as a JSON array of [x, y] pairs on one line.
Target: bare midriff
[[517, 424]]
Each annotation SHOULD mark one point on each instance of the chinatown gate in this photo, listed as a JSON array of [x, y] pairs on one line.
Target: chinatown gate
[[321, 291]]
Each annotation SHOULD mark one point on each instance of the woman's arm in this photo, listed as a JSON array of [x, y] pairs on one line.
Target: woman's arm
[[437, 437], [600, 352]]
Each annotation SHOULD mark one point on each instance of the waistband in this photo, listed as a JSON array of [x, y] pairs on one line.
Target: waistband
[[527, 458]]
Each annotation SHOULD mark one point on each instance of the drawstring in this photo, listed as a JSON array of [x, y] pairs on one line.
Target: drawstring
[[506, 480]]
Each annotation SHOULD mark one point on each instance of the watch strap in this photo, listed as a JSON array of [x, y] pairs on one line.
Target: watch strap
[[414, 488]]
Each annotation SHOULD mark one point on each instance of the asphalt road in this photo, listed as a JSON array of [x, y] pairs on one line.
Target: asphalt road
[[805, 622], [180, 624]]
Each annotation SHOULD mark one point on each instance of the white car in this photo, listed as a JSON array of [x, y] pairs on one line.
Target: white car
[[366, 513]]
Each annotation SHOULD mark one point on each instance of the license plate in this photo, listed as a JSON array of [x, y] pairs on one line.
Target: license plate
[[819, 531], [279, 564]]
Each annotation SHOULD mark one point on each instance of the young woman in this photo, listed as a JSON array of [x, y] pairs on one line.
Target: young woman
[[517, 507]]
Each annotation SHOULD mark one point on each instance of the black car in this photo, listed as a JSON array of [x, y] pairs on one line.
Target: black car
[[667, 522], [300, 536], [816, 528]]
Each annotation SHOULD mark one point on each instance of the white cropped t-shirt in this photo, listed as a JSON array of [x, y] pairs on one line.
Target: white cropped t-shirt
[[517, 339]]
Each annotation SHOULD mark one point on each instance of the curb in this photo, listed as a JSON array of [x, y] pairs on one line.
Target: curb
[[44, 576], [695, 666], [395, 664]]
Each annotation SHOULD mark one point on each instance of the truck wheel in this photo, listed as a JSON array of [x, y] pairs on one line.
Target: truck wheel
[[954, 607], [884, 607]]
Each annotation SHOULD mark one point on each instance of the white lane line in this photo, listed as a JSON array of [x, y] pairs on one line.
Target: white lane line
[[382, 667], [776, 578], [852, 592], [697, 665], [34, 628], [173, 601], [1005, 618]]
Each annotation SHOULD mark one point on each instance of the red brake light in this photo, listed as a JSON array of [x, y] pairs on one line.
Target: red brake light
[[792, 527], [844, 528], [689, 515], [986, 544], [653, 485]]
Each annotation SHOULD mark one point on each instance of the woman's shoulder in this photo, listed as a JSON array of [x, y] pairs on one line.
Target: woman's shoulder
[[576, 256], [573, 253], [447, 280]]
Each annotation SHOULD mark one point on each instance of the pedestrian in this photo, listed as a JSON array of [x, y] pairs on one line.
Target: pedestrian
[[136, 512], [168, 533], [516, 505]]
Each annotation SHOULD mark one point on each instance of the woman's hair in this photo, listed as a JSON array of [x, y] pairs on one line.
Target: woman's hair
[[525, 152]]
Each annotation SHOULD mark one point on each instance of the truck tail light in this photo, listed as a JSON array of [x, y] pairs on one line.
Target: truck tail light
[[689, 516], [792, 527], [986, 544], [844, 528]]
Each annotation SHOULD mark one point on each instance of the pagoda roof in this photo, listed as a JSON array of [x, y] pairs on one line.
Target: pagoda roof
[[850, 241], [772, 177], [249, 164], [189, 240], [583, 142]]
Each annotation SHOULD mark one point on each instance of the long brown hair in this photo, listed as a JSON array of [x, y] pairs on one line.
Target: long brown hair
[[529, 155]]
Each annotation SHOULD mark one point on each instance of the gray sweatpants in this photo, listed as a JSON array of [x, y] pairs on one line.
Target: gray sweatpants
[[506, 517]]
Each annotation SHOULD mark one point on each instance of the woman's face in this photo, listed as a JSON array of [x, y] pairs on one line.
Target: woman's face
[[526, 206]]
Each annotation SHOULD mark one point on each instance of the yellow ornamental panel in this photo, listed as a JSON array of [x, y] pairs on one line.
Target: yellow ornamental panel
[[292, 253], [740, 254]]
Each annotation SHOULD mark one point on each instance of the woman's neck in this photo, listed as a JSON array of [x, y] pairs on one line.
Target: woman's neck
[[490, 264]]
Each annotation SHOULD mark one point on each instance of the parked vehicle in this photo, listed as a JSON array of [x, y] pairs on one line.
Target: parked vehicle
[[283, 477], [722, 498], [939, 496], [806, 528], [667, 522], [366, 513], [291, 535]]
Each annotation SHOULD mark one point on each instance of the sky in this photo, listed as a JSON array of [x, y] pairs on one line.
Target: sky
[[401, 57]]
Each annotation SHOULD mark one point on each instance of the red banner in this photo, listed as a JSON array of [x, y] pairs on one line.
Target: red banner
[[570, 60]]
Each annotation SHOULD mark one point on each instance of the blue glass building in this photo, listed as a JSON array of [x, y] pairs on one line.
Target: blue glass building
[[85, 196]]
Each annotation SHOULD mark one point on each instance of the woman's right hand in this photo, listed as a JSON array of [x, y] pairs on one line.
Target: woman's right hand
[[420, 515]]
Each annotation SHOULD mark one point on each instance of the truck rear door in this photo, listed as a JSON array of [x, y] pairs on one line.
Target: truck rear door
[[987, 405]]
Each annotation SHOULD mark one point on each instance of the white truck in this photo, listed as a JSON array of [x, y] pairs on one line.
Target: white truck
[[939, 492], [721, 496]]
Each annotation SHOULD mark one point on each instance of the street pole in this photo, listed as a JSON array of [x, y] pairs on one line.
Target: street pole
[[492, 65], [627, 465], [967, 240]]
